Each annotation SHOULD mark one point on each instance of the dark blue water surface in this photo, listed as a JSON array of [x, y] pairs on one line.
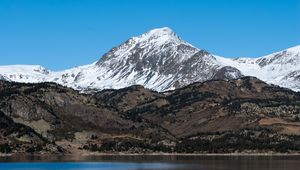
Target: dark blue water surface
[[86, 166], [139, 162]]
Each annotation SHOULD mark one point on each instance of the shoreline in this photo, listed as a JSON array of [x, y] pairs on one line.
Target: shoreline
[[146, 154], [138, 157]]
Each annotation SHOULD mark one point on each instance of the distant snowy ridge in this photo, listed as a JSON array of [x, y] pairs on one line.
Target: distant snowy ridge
[[161, 60], [24, 73], [280, 68]]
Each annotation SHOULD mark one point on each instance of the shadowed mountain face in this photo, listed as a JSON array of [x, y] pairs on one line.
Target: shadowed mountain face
[[213, 116]]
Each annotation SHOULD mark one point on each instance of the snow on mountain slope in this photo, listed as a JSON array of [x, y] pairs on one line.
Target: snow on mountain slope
[[161, 60], [24, 73], [280, 68]]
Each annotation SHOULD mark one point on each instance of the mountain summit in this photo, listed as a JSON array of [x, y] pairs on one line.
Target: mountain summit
[[159, 36], [151, 43], [161, 60], [158, 59]]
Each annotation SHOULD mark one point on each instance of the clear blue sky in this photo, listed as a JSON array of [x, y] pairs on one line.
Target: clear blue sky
[[60, 34]]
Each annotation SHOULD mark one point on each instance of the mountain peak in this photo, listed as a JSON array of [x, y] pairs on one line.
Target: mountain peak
[[161, 31], [159, 36], [156, 44]]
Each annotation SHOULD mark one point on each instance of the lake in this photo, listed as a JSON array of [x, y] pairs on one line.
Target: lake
[[142, 162]]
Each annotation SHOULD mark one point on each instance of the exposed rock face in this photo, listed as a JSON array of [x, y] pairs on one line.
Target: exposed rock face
[[227, 73], [214, 116]]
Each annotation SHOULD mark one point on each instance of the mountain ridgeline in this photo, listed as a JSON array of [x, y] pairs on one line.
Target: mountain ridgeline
[[215, 116], [160, 60]]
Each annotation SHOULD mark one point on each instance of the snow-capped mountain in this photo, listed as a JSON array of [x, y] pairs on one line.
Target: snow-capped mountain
[[280, 68], [161, 60]]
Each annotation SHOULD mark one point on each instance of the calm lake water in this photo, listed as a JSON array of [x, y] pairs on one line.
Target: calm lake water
[[151, 163]]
